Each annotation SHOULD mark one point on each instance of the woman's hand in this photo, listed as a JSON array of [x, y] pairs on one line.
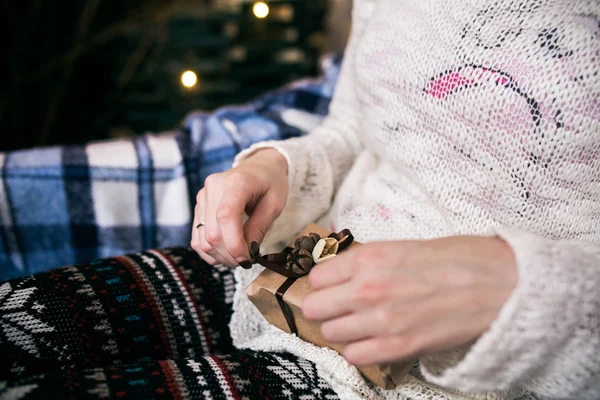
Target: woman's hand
[[258, 187], [391, 301]]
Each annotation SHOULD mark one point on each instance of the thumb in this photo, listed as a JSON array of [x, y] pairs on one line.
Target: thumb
[[262, 217]]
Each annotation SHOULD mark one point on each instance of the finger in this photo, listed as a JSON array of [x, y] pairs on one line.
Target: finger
[[328, 303], [205, 256], [198, 213], [353, 327], [376, 320], [197, 242], [378, 350], [261, 219], [212, 231], [381, 315], [195, 238], [442, 334], [210, 260], [229, 218], [335, 271]]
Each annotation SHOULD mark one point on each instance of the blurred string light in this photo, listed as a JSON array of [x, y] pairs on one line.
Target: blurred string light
[[260, 9], [189, 79]]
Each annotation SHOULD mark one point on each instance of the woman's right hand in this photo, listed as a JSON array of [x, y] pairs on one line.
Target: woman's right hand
[[259, 187]]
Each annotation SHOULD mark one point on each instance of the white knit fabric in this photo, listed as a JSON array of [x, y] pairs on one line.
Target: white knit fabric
[[465, 117]]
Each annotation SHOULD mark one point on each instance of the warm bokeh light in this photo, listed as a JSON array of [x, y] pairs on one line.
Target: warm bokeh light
[[260, 9], [189, 79]]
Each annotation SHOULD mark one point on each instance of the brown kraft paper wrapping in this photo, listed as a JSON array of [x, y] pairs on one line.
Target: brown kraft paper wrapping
[[261, 293]]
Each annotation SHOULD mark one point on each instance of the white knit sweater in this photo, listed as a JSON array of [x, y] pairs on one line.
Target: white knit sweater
[[465, 117]]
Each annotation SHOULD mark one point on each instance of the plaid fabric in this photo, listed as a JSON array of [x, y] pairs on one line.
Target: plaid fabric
[[68, 205]]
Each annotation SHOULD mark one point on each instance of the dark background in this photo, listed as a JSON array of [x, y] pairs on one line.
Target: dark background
[[76, 71]]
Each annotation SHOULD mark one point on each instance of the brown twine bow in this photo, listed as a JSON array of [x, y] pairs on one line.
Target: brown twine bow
[[276, 263]]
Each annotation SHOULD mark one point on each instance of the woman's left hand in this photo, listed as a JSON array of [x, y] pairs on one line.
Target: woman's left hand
[[391, 301]]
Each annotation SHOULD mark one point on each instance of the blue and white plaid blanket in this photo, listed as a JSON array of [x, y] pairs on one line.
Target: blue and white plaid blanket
[[73, 204]]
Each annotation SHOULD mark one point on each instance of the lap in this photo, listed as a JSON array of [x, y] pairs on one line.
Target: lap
[[148, 325], [154, 305], [241, 374]]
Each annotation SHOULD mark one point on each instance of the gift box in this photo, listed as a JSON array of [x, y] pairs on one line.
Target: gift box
[[277, 293]]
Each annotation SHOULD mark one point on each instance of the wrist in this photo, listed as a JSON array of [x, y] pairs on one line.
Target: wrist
[[270, 157], [505, 258]]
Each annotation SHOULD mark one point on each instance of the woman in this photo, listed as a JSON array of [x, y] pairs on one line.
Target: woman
[[462, 145], [477, 122]]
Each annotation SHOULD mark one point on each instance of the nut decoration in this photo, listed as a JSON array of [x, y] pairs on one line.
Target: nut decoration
[[299, 261], [325, 249], [307, 242], [314, 236]]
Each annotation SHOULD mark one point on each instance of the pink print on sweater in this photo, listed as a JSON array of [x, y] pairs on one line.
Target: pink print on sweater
[[452, 81], [542, 117]]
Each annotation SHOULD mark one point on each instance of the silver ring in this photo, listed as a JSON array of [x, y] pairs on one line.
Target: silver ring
[[200, 225]]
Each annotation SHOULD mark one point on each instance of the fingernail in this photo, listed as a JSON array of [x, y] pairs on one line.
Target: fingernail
[[246, 264], [254, 248]]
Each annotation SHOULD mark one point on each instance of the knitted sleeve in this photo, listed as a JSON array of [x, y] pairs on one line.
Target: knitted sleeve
[[546, 339], [319, 161]]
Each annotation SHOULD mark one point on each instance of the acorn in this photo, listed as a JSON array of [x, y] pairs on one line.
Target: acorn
[[299, 261], [305, 243]]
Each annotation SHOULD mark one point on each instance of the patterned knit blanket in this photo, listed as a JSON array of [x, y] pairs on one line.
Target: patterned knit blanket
[[73, 204]]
